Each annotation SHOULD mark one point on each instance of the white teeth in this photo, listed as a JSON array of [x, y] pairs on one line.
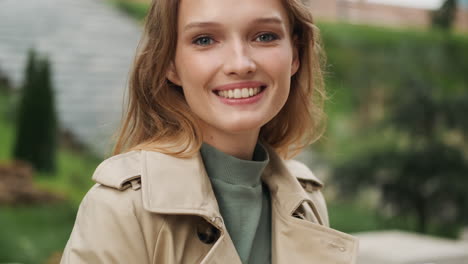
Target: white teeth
[[245, 92], [239, 93]]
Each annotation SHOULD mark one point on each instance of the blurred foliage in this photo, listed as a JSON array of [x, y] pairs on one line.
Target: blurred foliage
[[135, 9], [369, 64], [6, 127], [31, 234], [356, 215], [72, 177], [36, 139], [402, 97], [444, 17]]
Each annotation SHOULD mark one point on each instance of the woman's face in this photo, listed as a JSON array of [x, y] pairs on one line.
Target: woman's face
[[234, 60]]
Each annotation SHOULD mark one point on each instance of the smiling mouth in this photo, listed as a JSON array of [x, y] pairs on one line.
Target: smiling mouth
[[240, 93]]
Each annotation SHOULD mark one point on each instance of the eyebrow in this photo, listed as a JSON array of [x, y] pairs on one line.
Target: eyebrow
[[263, 20]]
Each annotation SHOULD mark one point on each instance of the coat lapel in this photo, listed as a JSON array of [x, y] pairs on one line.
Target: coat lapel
[[223, 252], [297, 240]]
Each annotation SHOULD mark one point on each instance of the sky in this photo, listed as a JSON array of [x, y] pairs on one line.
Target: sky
[[430, 4]]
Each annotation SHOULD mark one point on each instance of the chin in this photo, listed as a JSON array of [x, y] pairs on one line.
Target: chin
[[245, 126]]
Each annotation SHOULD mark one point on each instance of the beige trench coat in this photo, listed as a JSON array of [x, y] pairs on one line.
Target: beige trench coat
[[149, 208]]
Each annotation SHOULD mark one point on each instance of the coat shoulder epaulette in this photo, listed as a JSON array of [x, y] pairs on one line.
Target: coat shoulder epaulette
[[303, 174], [120, 171]]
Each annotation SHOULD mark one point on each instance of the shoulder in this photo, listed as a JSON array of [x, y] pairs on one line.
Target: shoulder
[[120, 171], [303, 174], [117, 188], [111, 217]]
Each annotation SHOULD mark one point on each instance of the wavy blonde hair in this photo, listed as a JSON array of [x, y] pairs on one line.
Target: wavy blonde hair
[[158, 117]]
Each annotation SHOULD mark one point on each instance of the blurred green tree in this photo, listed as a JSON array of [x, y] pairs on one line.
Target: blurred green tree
[[445, 16], [422, 170], [36, 140]]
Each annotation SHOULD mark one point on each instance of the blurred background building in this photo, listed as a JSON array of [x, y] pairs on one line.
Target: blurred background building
[[393, 13]]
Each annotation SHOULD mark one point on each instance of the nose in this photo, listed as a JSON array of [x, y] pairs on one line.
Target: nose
[[238, 61]]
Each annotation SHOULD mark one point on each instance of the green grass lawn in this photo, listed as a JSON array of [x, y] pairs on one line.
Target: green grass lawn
[[31, 234]]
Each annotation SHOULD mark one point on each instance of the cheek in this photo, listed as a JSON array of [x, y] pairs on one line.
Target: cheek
[[277, 62], [195, 68], [279, 66]]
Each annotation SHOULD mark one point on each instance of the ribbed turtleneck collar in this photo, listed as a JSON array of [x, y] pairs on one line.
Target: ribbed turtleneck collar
[[227, 168]]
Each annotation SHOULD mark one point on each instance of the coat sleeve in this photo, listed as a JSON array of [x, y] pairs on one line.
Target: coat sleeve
[[106, 230]]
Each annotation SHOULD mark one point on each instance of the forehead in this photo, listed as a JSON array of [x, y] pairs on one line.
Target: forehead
[[229, 11]]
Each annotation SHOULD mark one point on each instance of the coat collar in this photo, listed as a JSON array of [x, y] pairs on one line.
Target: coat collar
[[176, 186], [181, 186], [173, 185]]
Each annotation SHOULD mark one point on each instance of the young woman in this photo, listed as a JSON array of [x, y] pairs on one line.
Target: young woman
[[221, 94]]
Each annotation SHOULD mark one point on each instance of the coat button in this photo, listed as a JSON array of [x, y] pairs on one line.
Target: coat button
[[207, 233]]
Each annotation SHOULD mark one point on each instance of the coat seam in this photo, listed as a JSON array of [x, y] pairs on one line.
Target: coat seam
[[140, 227], [164, 223]]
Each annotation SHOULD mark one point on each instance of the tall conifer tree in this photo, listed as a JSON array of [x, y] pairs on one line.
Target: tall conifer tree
[[37, 121]]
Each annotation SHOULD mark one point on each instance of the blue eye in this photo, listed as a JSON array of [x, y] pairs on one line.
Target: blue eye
[[203, 41], [266, 37]]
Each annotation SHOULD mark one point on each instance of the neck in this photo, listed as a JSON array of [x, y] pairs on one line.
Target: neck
[[239, 145]]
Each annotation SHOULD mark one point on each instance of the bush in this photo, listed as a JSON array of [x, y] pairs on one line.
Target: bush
[[403, 96], [445, 16]]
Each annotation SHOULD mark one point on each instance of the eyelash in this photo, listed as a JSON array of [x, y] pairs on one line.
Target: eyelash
[[272, 35], [197, 40]]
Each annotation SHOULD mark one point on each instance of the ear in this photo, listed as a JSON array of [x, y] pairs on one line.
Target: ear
[[172, 75], [295, 61]]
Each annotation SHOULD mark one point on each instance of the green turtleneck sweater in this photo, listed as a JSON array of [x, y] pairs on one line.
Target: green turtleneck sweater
[[243, 199]]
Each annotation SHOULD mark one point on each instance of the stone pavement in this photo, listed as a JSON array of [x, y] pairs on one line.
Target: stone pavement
[[398, 247], [91, 46]]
